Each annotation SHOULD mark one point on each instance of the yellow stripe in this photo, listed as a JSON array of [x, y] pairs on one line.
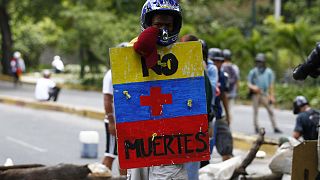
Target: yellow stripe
[[126, 63]]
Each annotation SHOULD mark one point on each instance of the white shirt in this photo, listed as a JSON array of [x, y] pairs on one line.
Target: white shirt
[[42, 88], [22, 64], [107, 87], [58, 64]]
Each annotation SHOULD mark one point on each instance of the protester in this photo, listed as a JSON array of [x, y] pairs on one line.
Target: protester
[[46, 89], [260, 82], [17, 67], [307, 120], [212, 72], [164, 18], [193, 167], [111, 151], [222, 134], [57, 64], [233, 75]]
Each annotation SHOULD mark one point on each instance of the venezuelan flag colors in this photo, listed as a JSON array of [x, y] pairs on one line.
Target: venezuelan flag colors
[[160, 112]]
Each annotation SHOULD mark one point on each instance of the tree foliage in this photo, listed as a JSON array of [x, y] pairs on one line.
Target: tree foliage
[[90, 28]]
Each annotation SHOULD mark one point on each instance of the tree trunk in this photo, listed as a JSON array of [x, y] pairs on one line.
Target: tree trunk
[[250, 156], [60, 171], [309, 4], [82, 61], [6, 45]]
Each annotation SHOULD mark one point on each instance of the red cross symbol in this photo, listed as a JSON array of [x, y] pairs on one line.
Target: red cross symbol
[[156, 100]]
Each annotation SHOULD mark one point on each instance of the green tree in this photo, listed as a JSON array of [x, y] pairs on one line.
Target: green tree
[[92, 30], [6, 36], [24, 15]]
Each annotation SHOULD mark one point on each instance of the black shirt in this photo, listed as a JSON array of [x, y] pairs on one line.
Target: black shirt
[[307, 124]]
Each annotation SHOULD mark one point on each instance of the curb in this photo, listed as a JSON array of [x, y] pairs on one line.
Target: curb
[[81, 111], [240, 140], [10, 79], [6, 78], [244, 142], [27, 81]]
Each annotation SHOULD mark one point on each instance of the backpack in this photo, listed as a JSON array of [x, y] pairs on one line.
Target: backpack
[[314, 117], [232, 75]]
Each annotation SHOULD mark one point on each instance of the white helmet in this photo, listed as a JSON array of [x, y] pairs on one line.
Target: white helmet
[[56, 57], [46, 73], [17, 54]]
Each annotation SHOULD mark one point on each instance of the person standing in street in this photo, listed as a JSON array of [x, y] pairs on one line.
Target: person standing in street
[[161, 22], [111, 151], [193, 167], [233, 75], [307, 120], [222, 138], [261, 83], [17, 67]]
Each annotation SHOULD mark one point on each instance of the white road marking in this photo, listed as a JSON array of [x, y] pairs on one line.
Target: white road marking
[[25, 144]]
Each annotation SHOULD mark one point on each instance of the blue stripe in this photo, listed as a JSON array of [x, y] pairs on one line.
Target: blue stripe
[[130, 110]]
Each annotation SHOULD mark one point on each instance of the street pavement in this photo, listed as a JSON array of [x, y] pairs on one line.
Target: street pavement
[[41, 136], [32, 136], [241, 114], [70, 97]]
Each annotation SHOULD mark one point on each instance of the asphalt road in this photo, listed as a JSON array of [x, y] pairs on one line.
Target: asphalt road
[[44, 137], [32, 136], [242, 121], [241, 114], [48, 137]]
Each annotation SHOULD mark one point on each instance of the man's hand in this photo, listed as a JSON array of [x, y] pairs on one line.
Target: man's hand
[[255, 89], [112, 128], [228, 119], [210, 132], [217, 92], [271, 99]]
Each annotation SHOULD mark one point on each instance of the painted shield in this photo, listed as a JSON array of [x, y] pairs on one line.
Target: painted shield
[[161, 116]]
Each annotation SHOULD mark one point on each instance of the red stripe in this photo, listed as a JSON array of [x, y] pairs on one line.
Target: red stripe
[[177, 140], [156, 100]]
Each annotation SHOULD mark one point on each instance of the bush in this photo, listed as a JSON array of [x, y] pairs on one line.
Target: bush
[[92, 83], [285, 94]]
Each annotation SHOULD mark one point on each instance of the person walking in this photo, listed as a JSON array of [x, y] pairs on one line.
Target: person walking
[[17, 67], [260, 82], [233, 75]]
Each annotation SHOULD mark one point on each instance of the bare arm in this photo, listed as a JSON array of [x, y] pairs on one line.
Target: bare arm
[[108, 108], [254, 88], [271, 94], [225, 103], [296, 134]]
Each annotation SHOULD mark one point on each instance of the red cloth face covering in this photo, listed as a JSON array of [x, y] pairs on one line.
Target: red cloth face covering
[[146, 45]]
